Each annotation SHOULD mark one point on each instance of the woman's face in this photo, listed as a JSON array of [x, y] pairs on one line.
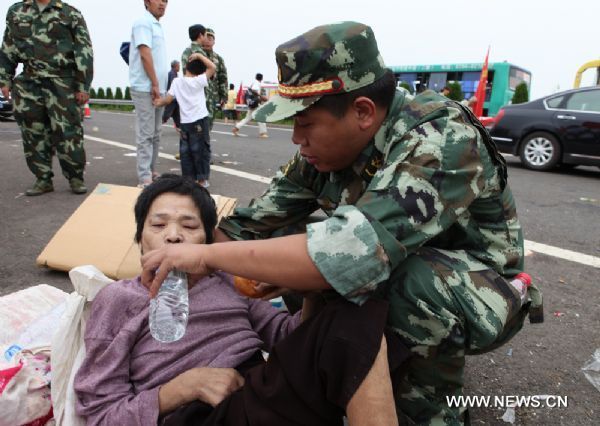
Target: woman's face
[[172, 219]]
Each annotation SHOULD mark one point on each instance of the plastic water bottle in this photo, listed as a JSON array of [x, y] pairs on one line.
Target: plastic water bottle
[[169, 309], [522, 282]]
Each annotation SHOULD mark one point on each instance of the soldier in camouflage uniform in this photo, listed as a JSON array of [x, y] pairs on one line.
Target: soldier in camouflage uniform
[[51, 40], [419, 210], [197, 35], [216, 92]]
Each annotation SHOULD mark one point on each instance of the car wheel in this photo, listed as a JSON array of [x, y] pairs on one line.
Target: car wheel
[[540, 151]]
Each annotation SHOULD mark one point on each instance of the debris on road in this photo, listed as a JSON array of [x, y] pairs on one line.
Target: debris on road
[[591, 369]]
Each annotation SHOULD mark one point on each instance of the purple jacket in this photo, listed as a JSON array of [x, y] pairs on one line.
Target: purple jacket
[[124, 366]]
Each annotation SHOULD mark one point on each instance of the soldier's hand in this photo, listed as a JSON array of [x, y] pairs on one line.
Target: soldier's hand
[[5, 92], [157, 264], [81, 97]]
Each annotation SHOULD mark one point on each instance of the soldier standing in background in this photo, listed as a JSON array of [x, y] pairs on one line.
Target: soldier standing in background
[[51, 40], [216, 92], [197, 35]]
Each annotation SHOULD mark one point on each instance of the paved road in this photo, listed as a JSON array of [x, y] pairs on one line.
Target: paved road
[[559, 209]]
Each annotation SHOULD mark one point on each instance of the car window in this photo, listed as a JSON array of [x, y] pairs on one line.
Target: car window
[[554, 102], [585, 101]]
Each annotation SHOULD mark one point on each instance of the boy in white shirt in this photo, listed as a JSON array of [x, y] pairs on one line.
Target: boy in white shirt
[[194, 142]]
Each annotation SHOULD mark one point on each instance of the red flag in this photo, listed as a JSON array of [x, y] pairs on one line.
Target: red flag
[[480, 93], [240, 94]]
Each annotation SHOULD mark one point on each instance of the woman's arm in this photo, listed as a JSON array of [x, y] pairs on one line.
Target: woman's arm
[[210, 385], [105, 393]]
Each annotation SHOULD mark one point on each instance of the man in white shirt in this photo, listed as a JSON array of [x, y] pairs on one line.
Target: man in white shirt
[[255, 92], [148, 73], [194, 143]]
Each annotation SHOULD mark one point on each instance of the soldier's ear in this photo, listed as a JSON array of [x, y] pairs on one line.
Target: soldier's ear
[[364, 110]]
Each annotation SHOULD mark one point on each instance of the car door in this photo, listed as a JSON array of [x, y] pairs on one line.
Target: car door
[[578, 123]]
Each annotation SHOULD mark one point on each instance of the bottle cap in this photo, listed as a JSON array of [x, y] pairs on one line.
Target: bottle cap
[[524, 278]]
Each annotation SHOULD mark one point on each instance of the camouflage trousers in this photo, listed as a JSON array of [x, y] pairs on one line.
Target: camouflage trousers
[[50, 121], [445, 305]]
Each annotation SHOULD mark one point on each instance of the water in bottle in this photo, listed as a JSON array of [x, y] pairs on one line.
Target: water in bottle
[[522, 282], [169, 309]]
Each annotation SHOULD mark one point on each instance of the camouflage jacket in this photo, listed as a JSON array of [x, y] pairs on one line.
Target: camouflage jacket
[[430, 177], [51, 43], [217, 89], [193, 48]]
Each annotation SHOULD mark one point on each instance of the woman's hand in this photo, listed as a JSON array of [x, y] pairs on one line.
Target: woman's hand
[[210, 385], [157, 264], [270, 291]]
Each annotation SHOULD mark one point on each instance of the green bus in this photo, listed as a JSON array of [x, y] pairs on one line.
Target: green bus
[[503, 78]]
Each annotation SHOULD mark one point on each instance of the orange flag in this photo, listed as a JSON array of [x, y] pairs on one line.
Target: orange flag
[[480, 93]]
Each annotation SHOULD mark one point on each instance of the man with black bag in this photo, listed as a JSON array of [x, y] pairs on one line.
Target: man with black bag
[[254, 98]]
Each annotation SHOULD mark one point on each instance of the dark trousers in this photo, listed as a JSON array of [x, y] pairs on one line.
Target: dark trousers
[[194, 149], [172, 111], [312, 374]]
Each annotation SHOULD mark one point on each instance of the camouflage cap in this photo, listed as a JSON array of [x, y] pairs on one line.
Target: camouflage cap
[[210, 31], [326, 60]]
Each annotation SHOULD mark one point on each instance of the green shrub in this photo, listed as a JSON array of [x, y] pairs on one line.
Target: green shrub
[[100, 94], [92, 93], [406, 86], [456, 93], [118, 94], [127, 93], [109, 93], [521, 94]]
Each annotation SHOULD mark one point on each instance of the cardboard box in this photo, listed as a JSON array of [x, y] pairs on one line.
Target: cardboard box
[[100, 233]]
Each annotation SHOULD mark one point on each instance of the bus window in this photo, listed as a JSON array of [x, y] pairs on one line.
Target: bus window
[[469, 82], [437, 81], [407, 77], [518, 76]]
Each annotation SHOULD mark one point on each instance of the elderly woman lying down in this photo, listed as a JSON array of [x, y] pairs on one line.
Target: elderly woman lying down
[[128, 378]]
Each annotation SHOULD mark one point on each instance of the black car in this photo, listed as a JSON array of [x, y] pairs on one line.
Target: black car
[[6, 108], [560, 129]]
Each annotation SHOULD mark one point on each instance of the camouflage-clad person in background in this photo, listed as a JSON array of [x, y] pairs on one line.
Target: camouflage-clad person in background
[[51, 40], [197, 35], [419, 214], [216, 92]]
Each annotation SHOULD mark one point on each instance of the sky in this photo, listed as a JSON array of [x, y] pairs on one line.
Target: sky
[[551, 39]]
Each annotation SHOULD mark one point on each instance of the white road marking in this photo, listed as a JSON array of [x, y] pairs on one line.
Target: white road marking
[[283, 129], [233, 172], [100, 111], [218, 123], [572, 256]]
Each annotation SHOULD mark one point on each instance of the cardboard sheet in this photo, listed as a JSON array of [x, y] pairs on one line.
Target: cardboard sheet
[[100, 233]]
